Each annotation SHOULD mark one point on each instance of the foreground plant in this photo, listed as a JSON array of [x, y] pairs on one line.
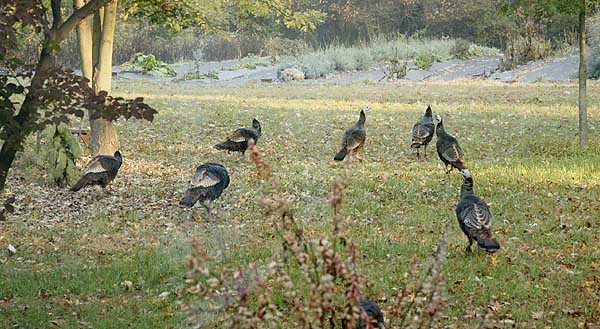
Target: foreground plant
[[318, 279]]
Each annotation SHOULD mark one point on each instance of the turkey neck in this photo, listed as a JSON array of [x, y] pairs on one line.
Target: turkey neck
[[467, 187], [440, 129], [256, 125], [361, 120], [428, 113]]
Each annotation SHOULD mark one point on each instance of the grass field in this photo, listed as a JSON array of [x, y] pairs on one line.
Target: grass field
[[104, 260]]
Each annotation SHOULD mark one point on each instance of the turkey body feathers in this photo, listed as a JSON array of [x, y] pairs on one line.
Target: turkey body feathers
[[101, 170], [475, 218], [423, 130], [238, 141], [353, 139], [374, 316], [207, 184], [448, 148]]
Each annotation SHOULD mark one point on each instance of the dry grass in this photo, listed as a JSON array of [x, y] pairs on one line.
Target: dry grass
[[104, 260]]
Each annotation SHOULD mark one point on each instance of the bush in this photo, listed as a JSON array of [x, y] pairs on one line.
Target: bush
[[148, 64], [521, 49], [424, 61], [364, 60], [277, 47], [316, 65], [60, 153], [461, 49], [343, 59], [319, 63], [395, 69], [594, 47], [196, 75]]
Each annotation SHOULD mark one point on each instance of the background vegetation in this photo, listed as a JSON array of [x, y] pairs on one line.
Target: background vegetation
[[356, 24]]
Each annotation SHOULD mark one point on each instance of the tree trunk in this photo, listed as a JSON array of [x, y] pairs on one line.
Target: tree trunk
[[97, 35], [583, 124], [103, 135], [84, 36], [28, 108]]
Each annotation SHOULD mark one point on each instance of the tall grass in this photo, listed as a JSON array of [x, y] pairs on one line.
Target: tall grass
[[328, 60]]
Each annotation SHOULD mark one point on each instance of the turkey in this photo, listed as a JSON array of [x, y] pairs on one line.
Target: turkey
[[208, 184], [448, 148], [238, 141], [374, 316], [475, 217], [422, 132], [354, 138], [101, 170]]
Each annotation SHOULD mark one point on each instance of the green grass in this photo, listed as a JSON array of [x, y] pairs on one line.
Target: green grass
[[75, 252]]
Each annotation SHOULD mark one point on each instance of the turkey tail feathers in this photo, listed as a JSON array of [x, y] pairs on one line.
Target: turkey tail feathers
[[341, 155]]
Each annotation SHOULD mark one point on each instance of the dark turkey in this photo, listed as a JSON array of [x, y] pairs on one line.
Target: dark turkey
[[101, 170], [208, 184], [475, 217], [238, 141], [354, 138], [448, 148], [374, 316], [422, 132]]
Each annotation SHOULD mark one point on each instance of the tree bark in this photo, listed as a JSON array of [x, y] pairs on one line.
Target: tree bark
[[103, 135], [583, 124], [96, 38], [84, 36]]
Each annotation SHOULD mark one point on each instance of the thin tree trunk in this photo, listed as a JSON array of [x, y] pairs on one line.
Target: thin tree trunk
[[583, 124], [28, 108], [103, 135], [96, 39], [84, 36]]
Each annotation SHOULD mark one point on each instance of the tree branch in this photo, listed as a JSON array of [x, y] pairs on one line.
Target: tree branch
[[77, 16], [56, 14]]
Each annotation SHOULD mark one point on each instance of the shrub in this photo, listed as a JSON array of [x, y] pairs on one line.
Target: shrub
[[364, 60], [343, 59], [521, 49], [277, 47], [395, 69], [60, 154], [594, 47], [253, 62], [148, 64], [424, 61], [461, 49], [316, 65], [196, 75]]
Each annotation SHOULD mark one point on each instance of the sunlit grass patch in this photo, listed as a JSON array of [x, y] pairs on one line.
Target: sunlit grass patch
[[519, 141]]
